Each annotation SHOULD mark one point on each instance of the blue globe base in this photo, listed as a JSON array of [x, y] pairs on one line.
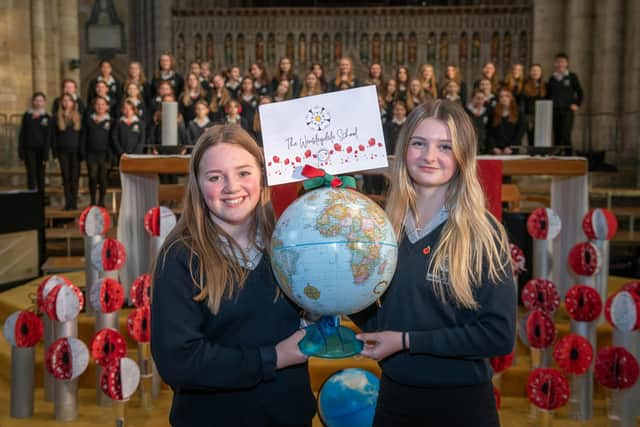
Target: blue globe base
[[328, 340]]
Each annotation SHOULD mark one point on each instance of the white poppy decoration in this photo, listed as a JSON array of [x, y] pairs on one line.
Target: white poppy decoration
[[317, 118]]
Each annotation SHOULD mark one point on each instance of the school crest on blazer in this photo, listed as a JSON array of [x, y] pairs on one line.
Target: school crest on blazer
[[44, 121], [135, 128]]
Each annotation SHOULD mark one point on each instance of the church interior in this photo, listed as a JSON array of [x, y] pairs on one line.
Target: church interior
[[571, 161]]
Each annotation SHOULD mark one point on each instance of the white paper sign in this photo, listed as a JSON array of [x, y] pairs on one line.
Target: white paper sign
[[339, 132]]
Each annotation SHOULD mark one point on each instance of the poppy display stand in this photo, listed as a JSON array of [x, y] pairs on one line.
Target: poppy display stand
[[146, 375], [22, 382], [92, 275], [48, 382], [327, 339], [581, 401]]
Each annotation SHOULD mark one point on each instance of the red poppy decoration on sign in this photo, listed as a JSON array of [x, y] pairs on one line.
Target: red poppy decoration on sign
[[67, 358], [108, 296], [94, 221], [547, 389], [584, 259], [140, 292], [120, 378], [501, 363], [107, 345], [517, 259], [583, 303], [541, 294], [23, 329], [543, 224], [541, 332], [622, 311], [109, 255], [573, 353], [139, 324], [64, 303], [45, 287], [600, 224], [616, 368]]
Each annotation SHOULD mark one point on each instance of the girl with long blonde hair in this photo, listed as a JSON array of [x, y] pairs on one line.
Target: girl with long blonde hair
[[451, 303], [66, 148], [428, 80], [223, 336]]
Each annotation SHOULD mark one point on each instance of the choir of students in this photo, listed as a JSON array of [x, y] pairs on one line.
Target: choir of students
[[501, 111]]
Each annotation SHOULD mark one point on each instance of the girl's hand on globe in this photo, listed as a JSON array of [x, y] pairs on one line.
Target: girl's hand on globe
[[379, 345], [287, 351]]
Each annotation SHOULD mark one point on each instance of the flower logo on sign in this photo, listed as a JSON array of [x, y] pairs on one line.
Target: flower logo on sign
[[317, 118]]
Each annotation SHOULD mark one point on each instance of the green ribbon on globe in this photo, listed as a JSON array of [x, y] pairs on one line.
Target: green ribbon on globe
[[319, 178]]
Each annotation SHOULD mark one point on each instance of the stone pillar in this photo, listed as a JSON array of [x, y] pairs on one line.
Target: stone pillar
[[607, 42], [38, 45], [579, 23], [631, 86], [52, 58], [69, 41], [548, 33]]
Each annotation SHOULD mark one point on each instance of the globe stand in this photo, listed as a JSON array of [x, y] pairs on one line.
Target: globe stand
[[328, 340]]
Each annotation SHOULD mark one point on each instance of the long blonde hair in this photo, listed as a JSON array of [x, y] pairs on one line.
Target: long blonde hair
[[471, 236], [219, 276], [63, 120], [185, 98]]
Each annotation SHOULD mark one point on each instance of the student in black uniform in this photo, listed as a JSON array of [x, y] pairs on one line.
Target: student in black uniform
[[205, 76], [507, 126], [223, 336], [402, 82], [480, 115], [166, 73], [283, 92], [200, 123], [164, 89], [234, 80], [428, 80], [392, 127], [248, 99], [311, 85], [453, 74], [390, 95], [128, 135], [535, 89], [345, 75], [132, 92], [219, 98], [375, 77], [66, 148], [514, 80], [113, 86], [565, 91], [102, 91], [260, 79], [285, 73], [233, 116], [257, 129], [318, 70], [452, 92], [95, 148], [34, 141], [489, 72], [451, 303], [71, 87], [135, 74], [484, 84], [193, 92]]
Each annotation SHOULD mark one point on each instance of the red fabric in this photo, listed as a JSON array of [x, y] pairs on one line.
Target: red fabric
[[282, 196], [490, 177]]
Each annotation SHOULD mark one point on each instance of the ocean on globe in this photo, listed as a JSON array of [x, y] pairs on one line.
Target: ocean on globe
[[348, 398], [333, 251]]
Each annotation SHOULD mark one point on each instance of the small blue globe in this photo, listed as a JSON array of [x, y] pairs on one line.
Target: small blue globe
[[348, 398]]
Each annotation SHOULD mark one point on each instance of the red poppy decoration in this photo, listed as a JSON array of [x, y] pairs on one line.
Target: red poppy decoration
[[23, 329], [583, 303], [501, 363], [541, 294], [109, 255], [622, 311], [120, 378], [517, 259], [64, 303], [600, 224], [633, 287], [616, 368], [94, 221], [543, 224], [159, 220], [584, 259], [108, 296], [107, 345], [45, 287], [496, 396], [573, 353], [541, 332], [547, 389], [67, 358], [139, 324], [140, 292]]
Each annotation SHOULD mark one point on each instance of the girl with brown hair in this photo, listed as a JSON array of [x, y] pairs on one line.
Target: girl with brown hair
[[415, 95], [311, 85], [514, 81], [535, 89], [167, 73], [219, 98], [428, 80], [223, 336], [345, 76], [507, 124], [285, 73], [193, 92]]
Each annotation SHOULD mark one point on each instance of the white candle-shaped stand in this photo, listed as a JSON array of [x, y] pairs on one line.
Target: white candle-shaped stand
[[119, 381], [543, 225], [106, 346], [617, 370], [600, 225], [543, 123], [518, 267], [66, 359], [44, 288], [169, 124], [541, 333], [94, 222], [138, 326], [547, 390], [23, 330]]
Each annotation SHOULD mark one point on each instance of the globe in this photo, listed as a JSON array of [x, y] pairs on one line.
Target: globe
[[333, 252], [348, 398]]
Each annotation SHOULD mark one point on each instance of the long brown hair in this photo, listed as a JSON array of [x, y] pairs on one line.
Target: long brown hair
[[431, 82], [218, 275], [72, 118], [471, 236], [513, 109], [514, 84], [535, 88], [186, 99]]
